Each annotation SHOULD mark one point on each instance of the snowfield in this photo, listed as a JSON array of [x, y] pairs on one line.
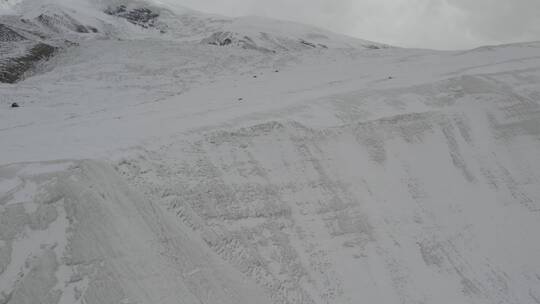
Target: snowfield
[[162, 155]]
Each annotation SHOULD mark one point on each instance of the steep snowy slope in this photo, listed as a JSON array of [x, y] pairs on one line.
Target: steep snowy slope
[[407, 191], [222, 160], [74, 232]]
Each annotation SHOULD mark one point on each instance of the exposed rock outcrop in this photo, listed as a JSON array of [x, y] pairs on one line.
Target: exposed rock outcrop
[[143, 17], [13, 69]]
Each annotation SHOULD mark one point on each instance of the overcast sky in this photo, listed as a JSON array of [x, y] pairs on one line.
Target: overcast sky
[[440, 24]]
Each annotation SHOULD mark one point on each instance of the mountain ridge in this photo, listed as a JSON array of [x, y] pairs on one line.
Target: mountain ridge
[[59, 24]]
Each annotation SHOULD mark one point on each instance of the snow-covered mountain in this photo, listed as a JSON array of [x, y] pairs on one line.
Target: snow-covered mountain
[[163, 155], [33, 31]]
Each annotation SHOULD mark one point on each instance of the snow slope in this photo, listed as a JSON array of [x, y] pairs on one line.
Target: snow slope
[[74, 232], [155, 161]]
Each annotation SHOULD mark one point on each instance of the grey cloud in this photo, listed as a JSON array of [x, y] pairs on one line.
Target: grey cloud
[[497, 20]]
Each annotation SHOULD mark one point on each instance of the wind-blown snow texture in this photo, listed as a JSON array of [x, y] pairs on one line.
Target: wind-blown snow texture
[[161, 155]]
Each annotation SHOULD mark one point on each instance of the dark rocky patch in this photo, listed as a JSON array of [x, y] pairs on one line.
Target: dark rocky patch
[[49, 21], [308, 44], [27, 41], [81, 29], [85, 29], [227, 41], [7, 34], [143, 17], [13, 69], [60, 22], [224, 42], [230, 38], [220, 39], [373, 47]]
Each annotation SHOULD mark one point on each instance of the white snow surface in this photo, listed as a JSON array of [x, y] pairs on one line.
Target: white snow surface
[[148, 166]]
